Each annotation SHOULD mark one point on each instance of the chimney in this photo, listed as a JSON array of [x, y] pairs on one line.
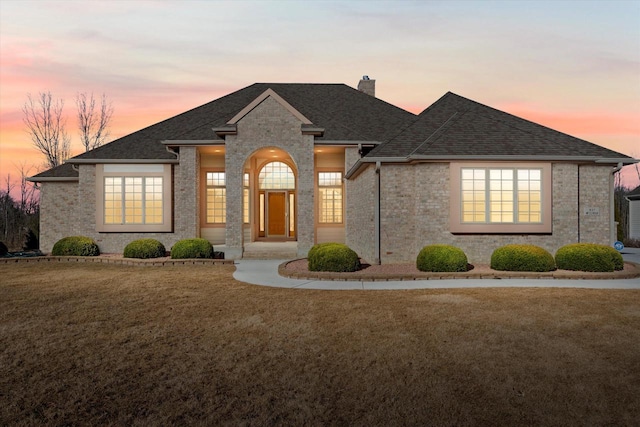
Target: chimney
[[367, 86]]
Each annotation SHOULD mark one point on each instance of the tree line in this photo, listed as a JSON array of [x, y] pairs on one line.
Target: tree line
[[45, 122]]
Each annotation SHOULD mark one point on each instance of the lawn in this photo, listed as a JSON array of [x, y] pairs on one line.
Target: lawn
[[93, 344]]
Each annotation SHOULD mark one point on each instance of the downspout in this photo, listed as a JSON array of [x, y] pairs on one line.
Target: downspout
[[376, 220], [578, 184], [174, 152], [613, 234]]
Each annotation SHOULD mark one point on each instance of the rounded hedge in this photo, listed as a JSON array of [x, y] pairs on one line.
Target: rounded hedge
[[75, 246], [589, 257], [192, 248], [441, 258], [3, 249], [335, 257], [144, 248], [522, 258]]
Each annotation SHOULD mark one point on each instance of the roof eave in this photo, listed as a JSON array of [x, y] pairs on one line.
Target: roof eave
[[191, 142], [526, 158], [53, 179], [122, 161], [361, 163], [346, 143]]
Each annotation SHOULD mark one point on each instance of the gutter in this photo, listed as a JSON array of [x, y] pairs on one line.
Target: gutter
[[191, 142], [361, 163], [53, 179]]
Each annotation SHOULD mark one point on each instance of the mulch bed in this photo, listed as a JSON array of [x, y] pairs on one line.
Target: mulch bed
[[298, 269]]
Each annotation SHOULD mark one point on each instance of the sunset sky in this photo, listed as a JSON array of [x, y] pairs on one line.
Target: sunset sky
[[573, 66]]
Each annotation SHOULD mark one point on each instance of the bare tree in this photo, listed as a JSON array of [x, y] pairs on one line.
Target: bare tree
[[46, 126], [29, 194], [93, 124], [6, 204], [20, 218]]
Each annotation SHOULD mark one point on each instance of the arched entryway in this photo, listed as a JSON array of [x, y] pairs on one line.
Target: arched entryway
[[276, 186]]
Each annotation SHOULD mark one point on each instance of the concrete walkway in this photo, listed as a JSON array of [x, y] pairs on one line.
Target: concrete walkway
[[265, 273]]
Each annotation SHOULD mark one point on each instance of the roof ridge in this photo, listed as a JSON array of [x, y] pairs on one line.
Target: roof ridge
[[449, 122]]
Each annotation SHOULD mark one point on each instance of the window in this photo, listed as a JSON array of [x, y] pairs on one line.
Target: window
[[133, 197], [496, 198], [245, 198], [133, 200], [501, 195], [330, 197], [216, 194], [276, 176]]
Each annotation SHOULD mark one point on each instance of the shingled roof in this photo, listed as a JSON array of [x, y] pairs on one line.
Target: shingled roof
[[455, 126], [344, 113]]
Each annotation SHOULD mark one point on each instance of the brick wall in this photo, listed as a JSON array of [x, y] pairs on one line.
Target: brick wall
[[415, 212], [69, 209], [360, 215], [58, 201], [595, 213]]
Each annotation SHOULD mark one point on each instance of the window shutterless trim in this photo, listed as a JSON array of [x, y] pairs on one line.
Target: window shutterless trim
[[340, 187], [455, 213], [134, 171], [215, 185]]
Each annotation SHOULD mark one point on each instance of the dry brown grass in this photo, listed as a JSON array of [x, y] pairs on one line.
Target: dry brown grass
[[98, 344]]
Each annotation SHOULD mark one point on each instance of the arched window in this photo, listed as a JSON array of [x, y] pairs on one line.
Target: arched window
[[276, 176]]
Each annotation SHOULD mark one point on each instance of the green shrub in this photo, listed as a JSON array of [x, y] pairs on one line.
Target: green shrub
[[333, 257], [75, 246], [192, 248], [144, 248], [589, 257], [522, 258], [3, 249], [441, 258]]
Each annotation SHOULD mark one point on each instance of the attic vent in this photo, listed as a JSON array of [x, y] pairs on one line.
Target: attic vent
[[367, 86]]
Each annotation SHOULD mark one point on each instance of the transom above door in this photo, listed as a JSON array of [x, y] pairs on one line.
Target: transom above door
[[276, 186]]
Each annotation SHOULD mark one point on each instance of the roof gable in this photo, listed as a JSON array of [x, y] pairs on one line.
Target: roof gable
[[266, 94]]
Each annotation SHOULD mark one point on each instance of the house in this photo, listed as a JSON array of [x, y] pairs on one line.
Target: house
[[634, 213], [314, 163]]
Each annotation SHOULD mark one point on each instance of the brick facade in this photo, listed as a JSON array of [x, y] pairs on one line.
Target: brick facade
[[414, 201], [58, 201], [71, 211], [415, 206], [269, 124]]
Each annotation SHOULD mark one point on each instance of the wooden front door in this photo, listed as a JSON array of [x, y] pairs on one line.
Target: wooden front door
[[276, 213]]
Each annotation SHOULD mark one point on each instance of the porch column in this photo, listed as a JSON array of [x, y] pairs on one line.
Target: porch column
[[187, 200], [234, 164], [306, 195]]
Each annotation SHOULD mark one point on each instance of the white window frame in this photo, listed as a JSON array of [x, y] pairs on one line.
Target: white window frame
[[206, 193], [320, 200], [142, 171], [246, 198], [458, 225]]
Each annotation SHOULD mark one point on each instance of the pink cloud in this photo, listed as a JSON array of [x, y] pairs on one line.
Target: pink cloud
[[582, 122]]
